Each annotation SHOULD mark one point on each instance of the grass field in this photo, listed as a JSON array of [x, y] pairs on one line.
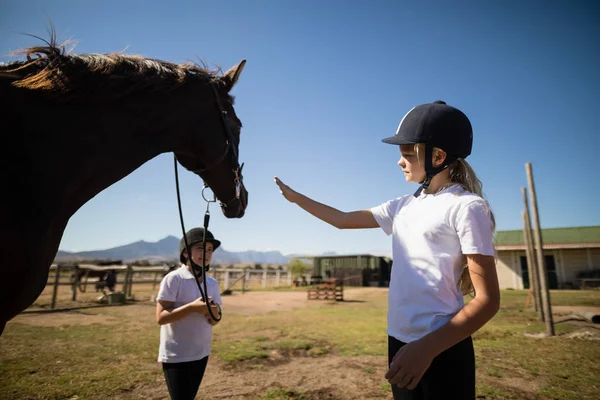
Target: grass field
[[318, 350]]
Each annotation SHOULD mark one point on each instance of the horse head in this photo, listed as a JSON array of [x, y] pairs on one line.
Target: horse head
[[214, 156]]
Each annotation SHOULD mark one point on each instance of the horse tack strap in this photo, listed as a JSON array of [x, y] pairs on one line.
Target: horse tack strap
[[223, 114], [231, 144], [238, 181]]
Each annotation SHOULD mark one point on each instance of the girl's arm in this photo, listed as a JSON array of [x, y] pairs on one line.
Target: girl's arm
[[477, 312], [413, 359], [165, 313], [339, 219]]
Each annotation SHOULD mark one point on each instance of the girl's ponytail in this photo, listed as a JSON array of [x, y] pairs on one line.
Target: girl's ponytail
[[461, 173]]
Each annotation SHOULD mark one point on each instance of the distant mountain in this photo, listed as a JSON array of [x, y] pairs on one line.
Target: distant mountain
[[163, 250], [166, 250]]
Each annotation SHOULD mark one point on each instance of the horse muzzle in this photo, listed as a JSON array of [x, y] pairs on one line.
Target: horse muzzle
[[236, 207]]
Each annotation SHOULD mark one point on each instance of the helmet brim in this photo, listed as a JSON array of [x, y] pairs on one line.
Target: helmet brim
[[397, 140]]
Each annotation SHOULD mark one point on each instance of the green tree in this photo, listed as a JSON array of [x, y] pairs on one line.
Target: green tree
[[298, 268]]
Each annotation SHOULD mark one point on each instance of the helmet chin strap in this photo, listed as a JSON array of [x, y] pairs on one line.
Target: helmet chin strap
[[430, 170], [198, 269]]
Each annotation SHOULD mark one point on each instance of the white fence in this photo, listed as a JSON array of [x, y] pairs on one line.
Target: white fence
[[245, 279], [228, 278], [89, 273]]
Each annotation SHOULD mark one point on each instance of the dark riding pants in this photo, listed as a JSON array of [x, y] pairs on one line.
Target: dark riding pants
[[451, 374], [183, 379]]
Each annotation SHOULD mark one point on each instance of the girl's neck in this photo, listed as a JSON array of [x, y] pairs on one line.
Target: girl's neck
[[439, 182], [198, 274]]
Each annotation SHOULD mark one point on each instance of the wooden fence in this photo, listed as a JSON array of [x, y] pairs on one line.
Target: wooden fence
[[246, 279], [229, 278], [80, 285]]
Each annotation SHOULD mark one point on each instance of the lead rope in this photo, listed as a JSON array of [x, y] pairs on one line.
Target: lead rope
[[203, 293]]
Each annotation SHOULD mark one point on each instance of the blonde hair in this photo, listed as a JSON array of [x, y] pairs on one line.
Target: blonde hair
[[462, 174]]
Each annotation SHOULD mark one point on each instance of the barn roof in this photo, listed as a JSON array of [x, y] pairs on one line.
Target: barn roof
[[553, 238]]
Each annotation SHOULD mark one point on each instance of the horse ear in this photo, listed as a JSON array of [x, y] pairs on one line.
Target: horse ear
[[230, 77]]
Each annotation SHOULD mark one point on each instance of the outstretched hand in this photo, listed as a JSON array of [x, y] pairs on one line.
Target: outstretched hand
[[285, 190]]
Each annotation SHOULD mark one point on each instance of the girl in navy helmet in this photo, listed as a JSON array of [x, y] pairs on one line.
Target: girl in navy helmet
[[184, 319], [442, 246]]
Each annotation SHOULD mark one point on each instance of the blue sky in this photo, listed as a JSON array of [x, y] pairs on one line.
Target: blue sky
[[325, 81]]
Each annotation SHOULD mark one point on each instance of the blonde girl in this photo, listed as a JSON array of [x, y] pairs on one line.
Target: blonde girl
[[442, 247]]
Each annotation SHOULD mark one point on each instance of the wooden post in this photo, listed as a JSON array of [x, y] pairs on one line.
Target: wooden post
[[543, 276], [531, 249], [264, 279], [531, 262], [125, 288], [124, 284], [130, 284], [55, 289], [534, 267], [528, 256], [75, 284], [155, 279]]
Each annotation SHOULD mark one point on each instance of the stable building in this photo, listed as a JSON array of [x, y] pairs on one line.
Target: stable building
[[354, 270], [569, 253]]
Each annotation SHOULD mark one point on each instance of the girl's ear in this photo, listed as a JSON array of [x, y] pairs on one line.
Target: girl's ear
[[439, 156]]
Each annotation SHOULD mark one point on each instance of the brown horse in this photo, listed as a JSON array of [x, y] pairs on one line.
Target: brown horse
[[72, 125]]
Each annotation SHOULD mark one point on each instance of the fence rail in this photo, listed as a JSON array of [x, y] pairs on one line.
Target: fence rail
[[228, 278]]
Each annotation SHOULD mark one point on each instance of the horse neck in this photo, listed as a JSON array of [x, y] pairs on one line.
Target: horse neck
[[66, 165], [94, 159], [66, 153]]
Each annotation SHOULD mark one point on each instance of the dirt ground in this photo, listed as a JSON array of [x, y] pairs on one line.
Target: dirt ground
[[248, 303], [332, 377], [319, 378]]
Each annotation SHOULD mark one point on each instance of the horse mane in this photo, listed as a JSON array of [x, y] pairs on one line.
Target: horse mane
[[52, 70]]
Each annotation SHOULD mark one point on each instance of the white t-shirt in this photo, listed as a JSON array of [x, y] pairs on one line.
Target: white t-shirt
[[187, 339], [430, 236]]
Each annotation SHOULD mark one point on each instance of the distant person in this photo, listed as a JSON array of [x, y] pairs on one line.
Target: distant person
[[442, 245], [186, 324], [110, 279], [106, 280]]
